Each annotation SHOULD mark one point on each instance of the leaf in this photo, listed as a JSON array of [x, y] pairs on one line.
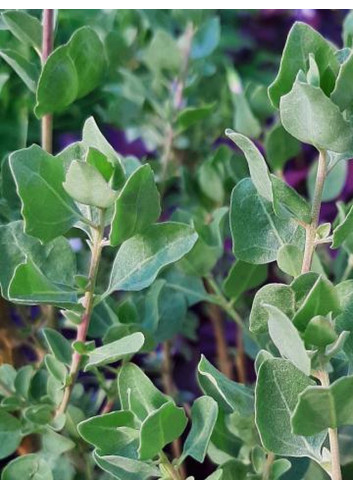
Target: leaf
[[10, 434], [58, 345], [209, 246], [204, 414], [301, 41], [279, 467], [56, 368], [109, 432], [58, 83], [310, 116], [99, 161], [231, 470], [249, 212], [163, 53], [23, 380], [159, 428], [123, 468], [137, 206], [15, 246], [19, 249], [278, 385], [313, 74], [342, 95], [86, 185], [243, 277], [257, 165], [39, 178], [40, 414], [137, 393], [117, 350], [25, 27], [206, 38], [54, 444], [320, 332], [334, 181], [141, 257], [320, 299], [288, 203], [26, 70], [280, 147], [348, 30], [190, 286], [278, 295], [320, 408], [8, 376], [27, 467], [191, 115], [93, 138], [30, 286], [244, 120], [287, 339], [343, 230], [230, 395], [290, 259], [172, 310], [87, 53], [70, 72]]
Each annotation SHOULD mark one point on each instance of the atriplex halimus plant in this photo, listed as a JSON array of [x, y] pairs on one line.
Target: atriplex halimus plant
[[300, 329]]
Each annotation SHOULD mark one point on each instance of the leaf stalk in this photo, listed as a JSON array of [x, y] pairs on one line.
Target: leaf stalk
[[97, 242]]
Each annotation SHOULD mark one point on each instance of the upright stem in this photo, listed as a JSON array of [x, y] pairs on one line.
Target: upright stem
[[170, 389], [177, 103], [228, 308], [224, 363], [315, 213], [47, 47], [82, 329], [307, 260], [47, 120], [336, 474], [169, 468]]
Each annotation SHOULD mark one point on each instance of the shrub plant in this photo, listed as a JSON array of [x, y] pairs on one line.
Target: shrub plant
[[86, 407]]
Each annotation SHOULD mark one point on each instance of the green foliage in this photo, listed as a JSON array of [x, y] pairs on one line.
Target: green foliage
[[71, 72], [132, 215], [39, 177], [301, 42], [137, 255], [203, 415], [320, 408], [279, 384], [141, 257], [115, 351], [305, 104], [250, 212], [25, 27]]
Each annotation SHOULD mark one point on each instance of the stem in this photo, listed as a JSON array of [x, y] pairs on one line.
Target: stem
[[315, 213], [224, 363], [108, 406], [268, 464], [47, 47], [167, 370], [88, 301], [47, 122], [177, 103], [307, 260], [336, 474], [227, 306], [170, 389], [169, 468]]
